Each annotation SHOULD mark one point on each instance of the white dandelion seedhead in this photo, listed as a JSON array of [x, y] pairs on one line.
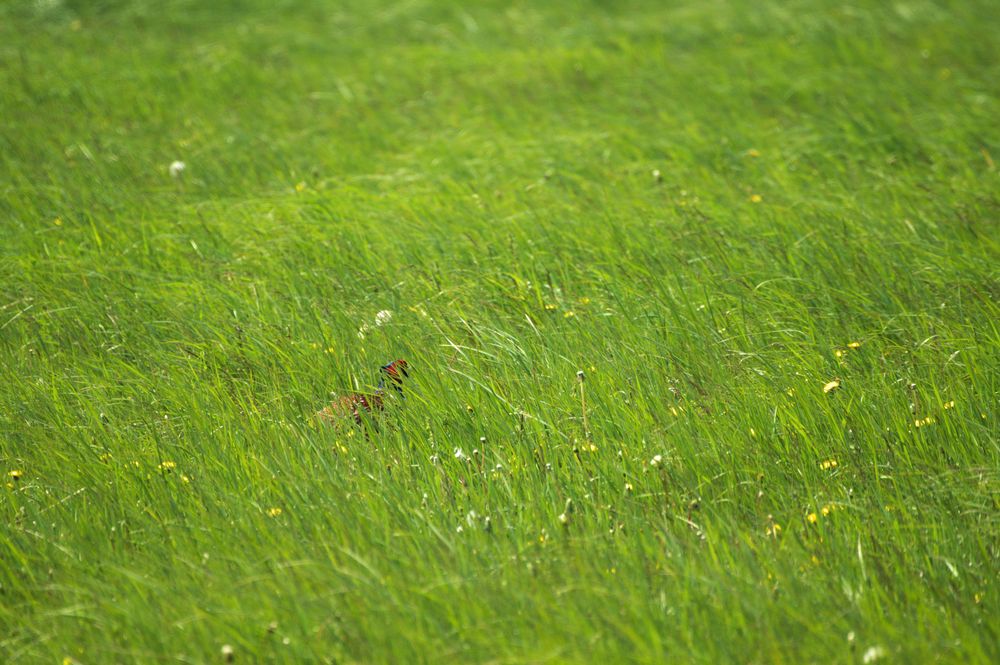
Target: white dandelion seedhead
[[873, 653], [177, 168]]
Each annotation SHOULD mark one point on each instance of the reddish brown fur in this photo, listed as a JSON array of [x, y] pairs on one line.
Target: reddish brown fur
[[350, 405], [354, 404]]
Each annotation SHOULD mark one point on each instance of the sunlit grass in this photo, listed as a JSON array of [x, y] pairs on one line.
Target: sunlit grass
[[765, 233]]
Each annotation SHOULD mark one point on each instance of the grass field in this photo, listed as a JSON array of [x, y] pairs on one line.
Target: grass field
[[767, 232]]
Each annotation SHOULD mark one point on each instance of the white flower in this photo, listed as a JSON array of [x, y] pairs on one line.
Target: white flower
[[362, 330], [873, 654], [177, 168], [460, 454], [383, 317], [657, 459]]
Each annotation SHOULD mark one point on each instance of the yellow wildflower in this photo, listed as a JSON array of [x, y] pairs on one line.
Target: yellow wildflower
[[753, 152], [827, 509], [773, 531], [756, 198], [167, 466], [16, 474], [57, 221], [831, 386], [854, 345], [828, 464], [300, 187], [273, 512], [549, 307], [949, 405], [812, 518], [569, 314]]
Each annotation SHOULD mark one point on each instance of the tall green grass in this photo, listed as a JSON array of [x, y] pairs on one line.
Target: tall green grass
[[713, 210]]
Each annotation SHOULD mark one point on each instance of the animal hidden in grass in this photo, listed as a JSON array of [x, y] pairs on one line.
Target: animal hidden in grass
[[355, 406]]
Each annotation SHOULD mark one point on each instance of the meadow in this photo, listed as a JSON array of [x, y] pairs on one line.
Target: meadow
[[765, 232]]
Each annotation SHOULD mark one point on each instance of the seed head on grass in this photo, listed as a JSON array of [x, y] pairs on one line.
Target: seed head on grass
[[567, 513]]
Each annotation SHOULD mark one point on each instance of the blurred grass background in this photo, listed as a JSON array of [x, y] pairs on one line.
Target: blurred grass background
[[712, 209]]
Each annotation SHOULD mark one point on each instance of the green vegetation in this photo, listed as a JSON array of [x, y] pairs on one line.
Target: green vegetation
[[716, 210]]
